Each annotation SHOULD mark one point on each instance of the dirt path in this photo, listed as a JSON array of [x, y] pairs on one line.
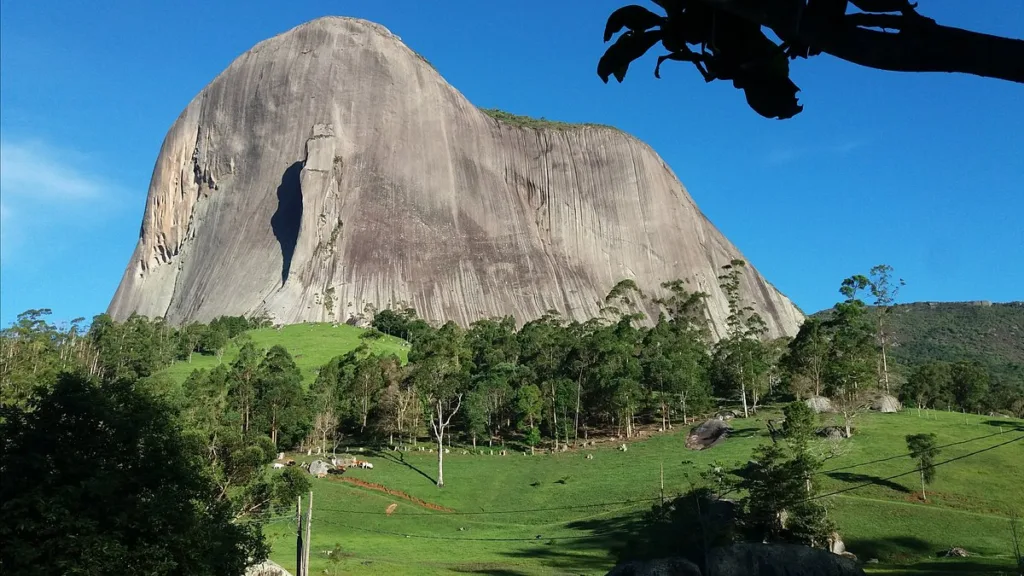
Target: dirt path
[[391, 492]]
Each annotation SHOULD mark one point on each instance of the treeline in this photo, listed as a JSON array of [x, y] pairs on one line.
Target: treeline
[[550, 381], [968, 386], [33, 350], [844, 355]]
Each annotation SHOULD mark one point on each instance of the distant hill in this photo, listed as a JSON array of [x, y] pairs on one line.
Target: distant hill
[[990, 333]]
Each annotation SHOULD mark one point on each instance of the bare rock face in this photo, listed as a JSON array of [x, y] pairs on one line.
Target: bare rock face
[[331, 167]]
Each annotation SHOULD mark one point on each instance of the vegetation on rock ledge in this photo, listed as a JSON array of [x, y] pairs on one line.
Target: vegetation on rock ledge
[[538, 123]]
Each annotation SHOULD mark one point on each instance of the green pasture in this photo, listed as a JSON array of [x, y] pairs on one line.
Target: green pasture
[[566, 514], [312, 345]]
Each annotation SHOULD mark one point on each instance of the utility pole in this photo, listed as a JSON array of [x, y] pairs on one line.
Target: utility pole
[[309, 522], [662, 483], [298, 538]]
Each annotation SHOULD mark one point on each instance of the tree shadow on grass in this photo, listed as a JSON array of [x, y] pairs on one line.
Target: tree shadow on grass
[[900, 550], [400, 459], [908, 552], [748, 432], [489, 570], [1006, 425], [959, 566], [605, 541], [855, 478]]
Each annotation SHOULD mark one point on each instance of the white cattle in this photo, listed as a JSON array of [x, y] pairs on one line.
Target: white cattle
[[278, 465]]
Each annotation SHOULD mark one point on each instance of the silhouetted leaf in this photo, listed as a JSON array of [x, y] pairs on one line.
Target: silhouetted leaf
[[636, 18], [620, 55], [775, 98]]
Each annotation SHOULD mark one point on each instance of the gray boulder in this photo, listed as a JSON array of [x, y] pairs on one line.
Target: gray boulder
[[319, 468], [819, 404], [832, 432], [708, 434], [886, 403], [659, 567], [746, 559]]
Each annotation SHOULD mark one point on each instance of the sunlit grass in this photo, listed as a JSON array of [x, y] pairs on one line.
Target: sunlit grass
[[312, 346], [967, 506]]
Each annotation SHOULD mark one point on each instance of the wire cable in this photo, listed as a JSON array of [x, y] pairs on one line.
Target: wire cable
[[654, 499], [887, 458], [600, 534], [520, 511], [471, 539], [936, 465]]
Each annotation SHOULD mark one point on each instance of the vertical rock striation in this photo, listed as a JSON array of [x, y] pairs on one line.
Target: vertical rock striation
[[331, 167]]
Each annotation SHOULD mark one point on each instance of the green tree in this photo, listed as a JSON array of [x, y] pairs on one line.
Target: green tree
[[530, 403], [27, 356], [401, 323], [852, 355], [780, 505], [885, 290], [923, 450], [544, 347], [492, 342], [108, 465], [334, 558], [928, 385], [800, 423], [740, 357], [614, 379], [969, 384], [807, 357], [391, 405], [214, 339], [289, 485], [751, 43], [189, 337], [243, 378], [367, 386], [236, 461], [279, 398], [674, 361], [580, 360], [441, 374]]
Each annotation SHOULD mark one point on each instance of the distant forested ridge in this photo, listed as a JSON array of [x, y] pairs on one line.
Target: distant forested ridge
[[989, 333]]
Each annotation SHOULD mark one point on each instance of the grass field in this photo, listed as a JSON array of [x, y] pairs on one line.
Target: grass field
[[312, 346], [565, 514]]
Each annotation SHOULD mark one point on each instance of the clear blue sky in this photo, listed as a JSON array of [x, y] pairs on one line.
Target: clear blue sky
[[921, 171]]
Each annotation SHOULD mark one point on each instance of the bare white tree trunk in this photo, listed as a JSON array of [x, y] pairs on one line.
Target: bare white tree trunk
[[439, 423]]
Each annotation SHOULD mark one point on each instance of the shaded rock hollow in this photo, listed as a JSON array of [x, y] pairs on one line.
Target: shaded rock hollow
[[331, 167]]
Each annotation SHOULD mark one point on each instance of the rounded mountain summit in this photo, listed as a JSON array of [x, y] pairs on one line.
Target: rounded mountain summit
[[331, 167]]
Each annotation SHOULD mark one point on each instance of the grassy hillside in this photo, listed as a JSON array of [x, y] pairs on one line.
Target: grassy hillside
[[992, 334], [562, 513], [565, 514], [312, 345]]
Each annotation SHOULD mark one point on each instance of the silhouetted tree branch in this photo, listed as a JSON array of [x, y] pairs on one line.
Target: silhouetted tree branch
[[886, 34]]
